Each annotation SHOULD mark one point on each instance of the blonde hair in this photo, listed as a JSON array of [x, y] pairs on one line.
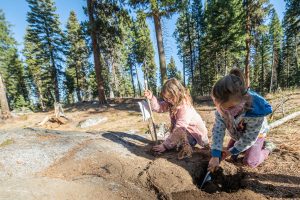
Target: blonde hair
[[175, 90]]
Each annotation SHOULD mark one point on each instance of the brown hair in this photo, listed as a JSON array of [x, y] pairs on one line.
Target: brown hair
[[176, 91], [231, 86]]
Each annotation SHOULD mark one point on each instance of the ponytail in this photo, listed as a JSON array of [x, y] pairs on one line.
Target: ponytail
[[238, 73], [229, 86]]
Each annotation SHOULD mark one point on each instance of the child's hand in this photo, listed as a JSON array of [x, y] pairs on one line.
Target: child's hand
[[225, 154], [148, 94], [159, 148], [213, 164]]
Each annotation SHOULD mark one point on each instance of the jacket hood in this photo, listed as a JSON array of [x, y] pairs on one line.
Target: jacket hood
[[259, 106]]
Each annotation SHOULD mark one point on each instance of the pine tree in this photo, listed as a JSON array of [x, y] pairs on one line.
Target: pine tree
[[94, 33], [107, 31], [11, 68], [275, 39], [77, 54], [255, 13], [158, 9], [44, 27], [262, 56], [172, 70], [118, 56], [15, 82], [198, 18], [291, 61], [186, 37], [143, 49], [36, 73], [131, 58], [222, 46]]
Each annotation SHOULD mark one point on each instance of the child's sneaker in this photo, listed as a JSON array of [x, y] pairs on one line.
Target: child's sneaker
[[269, 146]]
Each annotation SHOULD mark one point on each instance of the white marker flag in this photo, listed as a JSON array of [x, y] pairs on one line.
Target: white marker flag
[[144, 109]]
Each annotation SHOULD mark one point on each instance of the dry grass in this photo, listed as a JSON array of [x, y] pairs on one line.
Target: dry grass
[[7, 142]]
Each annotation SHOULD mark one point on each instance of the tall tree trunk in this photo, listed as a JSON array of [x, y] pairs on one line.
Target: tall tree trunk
[[262, 68], [5, 113], [56, 87], [199, 64], [77, 83], [39, 92], [138, 80], [132, 81], [41, 100], [248, 43], [160, 45], [296, 53], [54, 70], [183, 69], [225, 60], [96, 53], [190, 45], [114, 79], [288, 70], [273, 72]]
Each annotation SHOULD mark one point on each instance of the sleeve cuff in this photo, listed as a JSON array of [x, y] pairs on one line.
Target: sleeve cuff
[[234, 151], [216, 153]]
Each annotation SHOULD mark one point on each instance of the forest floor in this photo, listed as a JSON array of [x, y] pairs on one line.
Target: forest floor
[[112, 160]]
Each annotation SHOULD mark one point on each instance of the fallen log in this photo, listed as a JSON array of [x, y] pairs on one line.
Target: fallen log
[[283, 120]]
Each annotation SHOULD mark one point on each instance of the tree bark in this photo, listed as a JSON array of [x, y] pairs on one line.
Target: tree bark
[[96, 53], [190, 46], [77, 83], [138, 80], [3, 101], [272, 73], [262, 68], [40, 95], [132, 81], [54, 70], [183, 69], [248, 43], [160, 45]]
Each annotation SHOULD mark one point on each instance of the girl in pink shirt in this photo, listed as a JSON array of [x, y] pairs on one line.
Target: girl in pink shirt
[[187, 127]]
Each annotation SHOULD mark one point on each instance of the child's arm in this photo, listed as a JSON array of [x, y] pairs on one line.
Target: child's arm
[[159, 106], [253, 127], [218, 133]]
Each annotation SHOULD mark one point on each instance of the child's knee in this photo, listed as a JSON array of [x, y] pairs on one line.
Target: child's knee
[[251, 162]]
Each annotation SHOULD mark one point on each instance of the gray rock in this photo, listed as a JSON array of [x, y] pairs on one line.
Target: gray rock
[[92, 122]]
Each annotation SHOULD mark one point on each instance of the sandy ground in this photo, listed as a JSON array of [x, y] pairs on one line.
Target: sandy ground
[[112, 160]]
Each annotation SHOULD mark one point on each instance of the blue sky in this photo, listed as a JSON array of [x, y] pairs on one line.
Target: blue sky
[[15, 13]]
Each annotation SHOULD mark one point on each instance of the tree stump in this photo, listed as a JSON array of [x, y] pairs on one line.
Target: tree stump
[[59, 117]]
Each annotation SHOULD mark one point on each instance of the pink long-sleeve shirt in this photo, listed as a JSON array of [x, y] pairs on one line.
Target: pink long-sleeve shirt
[[186, 117]]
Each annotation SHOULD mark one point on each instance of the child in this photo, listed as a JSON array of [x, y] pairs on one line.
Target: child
[[187, 127], [242, 113]]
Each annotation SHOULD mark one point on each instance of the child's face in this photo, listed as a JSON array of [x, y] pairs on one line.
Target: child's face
[[169, 99], [230, 104]]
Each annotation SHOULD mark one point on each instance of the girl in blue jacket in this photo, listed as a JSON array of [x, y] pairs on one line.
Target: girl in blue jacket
[[242, 113]]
